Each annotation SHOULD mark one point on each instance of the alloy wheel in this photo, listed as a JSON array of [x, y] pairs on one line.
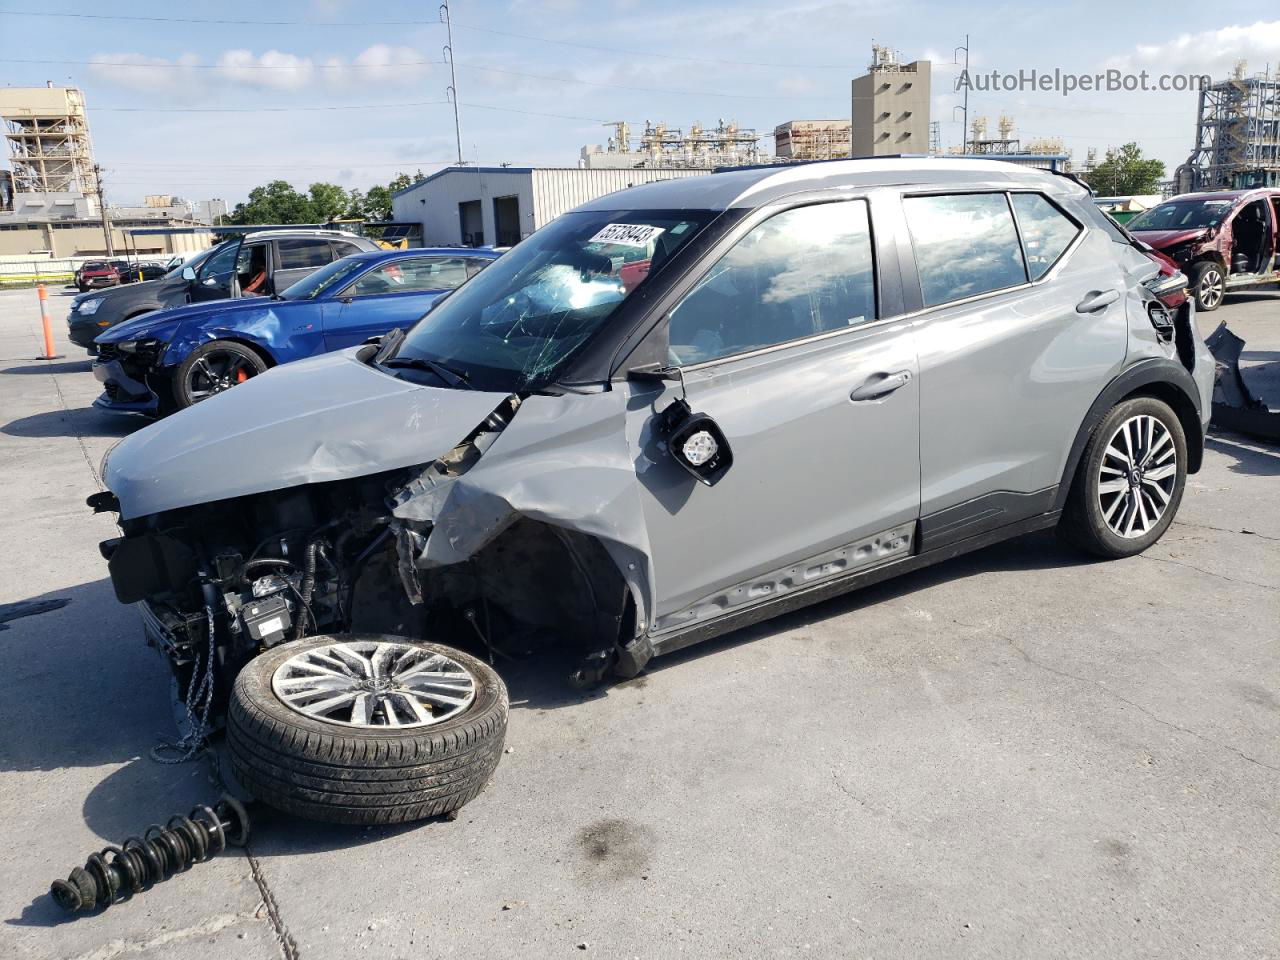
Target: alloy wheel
[[368, 683], [1212, 288], [1137, 476], [216, 371]]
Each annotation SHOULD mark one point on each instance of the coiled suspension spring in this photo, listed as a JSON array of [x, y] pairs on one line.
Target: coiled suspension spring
[[115, 874]]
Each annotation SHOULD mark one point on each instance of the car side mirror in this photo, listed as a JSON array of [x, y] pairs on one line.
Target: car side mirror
[[696, 442], [188, 273]]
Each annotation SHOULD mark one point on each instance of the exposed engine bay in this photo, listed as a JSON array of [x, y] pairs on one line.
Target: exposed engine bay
[[224, 581]]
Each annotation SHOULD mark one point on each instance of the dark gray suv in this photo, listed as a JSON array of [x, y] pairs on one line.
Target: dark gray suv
[[258, 263], [674, 411]]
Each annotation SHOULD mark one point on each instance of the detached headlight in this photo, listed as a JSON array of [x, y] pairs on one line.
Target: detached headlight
[[90, 306], [138, 346]]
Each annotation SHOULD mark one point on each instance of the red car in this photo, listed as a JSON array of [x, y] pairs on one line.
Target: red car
[[97, 273], [1221, 241]]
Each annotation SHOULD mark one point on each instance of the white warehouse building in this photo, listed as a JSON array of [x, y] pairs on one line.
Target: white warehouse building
[[499, 206]]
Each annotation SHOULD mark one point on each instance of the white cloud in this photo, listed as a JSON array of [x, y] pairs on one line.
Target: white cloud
[[135, 71], [1214, 51], [274, 70]]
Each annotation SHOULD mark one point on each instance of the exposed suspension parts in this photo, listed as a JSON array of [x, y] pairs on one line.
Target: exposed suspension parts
[[115, 874]]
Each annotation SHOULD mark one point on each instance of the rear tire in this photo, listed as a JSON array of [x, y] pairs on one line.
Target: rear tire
[[1129, 484], [338, 772], [1208, 286]]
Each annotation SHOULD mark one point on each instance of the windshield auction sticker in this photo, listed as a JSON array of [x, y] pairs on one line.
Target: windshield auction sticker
[[627, 234]]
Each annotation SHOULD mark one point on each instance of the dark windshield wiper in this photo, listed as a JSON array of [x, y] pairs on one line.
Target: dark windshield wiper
[[454, 378], [389, 344]]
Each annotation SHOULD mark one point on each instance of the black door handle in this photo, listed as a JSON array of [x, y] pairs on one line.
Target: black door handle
[[880, 385]]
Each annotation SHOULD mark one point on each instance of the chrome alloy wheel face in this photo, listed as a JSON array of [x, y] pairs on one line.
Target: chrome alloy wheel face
[[1212, 288], [1137, 476], [374, 683]]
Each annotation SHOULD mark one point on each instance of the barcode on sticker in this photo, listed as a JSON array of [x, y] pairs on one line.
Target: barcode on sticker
[[627, 234]]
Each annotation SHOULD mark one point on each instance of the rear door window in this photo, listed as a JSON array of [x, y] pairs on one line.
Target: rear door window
[[803, 272], [965, 245], [1046, 231], [301, 253], [417, 275]]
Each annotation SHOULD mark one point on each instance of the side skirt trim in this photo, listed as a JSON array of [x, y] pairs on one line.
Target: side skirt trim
[[804, 597]]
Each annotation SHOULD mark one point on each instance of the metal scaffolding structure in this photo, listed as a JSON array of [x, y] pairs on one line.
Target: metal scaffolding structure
[[1237, 135], [661, 146], [47, 133]]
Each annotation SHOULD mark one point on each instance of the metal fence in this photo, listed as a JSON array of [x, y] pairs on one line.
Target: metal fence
[[40, 271]]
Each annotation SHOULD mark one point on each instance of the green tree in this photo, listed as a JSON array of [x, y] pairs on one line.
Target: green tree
[[276, 202], [328, 202], [1126, 173], [377, 202], [355, 204]]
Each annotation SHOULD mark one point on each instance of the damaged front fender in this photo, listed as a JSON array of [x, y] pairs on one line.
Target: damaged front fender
[[562, 461]]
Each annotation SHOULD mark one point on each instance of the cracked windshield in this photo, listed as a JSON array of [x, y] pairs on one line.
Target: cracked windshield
[[513, 326]]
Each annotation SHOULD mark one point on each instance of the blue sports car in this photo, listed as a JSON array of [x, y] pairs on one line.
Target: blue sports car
[[170, 359]]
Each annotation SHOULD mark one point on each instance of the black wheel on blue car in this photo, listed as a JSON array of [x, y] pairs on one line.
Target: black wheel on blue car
[[366, 728], [212, 368], [1129, 482]]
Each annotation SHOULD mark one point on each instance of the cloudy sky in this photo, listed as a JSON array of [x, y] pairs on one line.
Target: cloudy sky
[[210, 100]]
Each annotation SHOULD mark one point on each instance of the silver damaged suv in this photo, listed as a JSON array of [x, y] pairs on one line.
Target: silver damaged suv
[[674, 411]]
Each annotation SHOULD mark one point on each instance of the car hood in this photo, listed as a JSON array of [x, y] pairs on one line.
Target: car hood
[[136, 291], [1164, 239], [148, 324], [327, 418]]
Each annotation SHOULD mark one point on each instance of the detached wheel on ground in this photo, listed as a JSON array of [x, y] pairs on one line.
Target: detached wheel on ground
[[1208, 286], [216, 366], [366, 728], [1130, 480]]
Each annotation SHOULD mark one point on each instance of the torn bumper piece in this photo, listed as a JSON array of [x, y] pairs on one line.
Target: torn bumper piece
[[1234, 406]]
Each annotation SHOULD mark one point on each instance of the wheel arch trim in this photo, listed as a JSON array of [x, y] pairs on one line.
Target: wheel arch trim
[[1157, 377]]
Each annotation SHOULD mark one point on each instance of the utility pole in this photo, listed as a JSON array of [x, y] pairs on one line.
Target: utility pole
[[453, 76], [102, 210], [964, 133]]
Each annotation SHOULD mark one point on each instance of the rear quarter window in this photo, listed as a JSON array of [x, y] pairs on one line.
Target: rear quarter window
[[965, 245], [1046, 231]]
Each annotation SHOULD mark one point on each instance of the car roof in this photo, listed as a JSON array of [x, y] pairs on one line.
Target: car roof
[[755, 186], [302, 232], [373, 256], [1225, 195]]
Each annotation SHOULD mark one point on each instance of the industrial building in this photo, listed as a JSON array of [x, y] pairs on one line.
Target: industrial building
[[812, 139], [50, 154], [1237, 135], [65, 238], [890, 106], [662, 147], [499, 206]]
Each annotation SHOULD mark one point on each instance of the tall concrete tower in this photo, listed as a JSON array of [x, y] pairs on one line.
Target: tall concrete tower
[[891, 106]]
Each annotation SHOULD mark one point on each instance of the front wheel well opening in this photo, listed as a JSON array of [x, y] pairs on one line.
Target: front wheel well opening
[[1187, 415], [258, 349], [534, 589]]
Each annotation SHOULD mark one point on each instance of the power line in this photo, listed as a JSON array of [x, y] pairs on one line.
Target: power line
[[218, 20], [302, 64], [358, 106], [656, 54], [616, 86], [652, 54]]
